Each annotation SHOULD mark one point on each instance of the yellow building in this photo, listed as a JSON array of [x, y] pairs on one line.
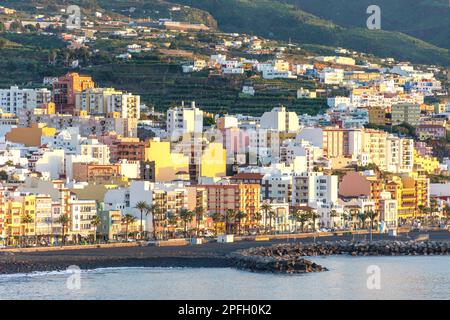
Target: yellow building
[[374, 144], [166, 163], [30, 136], [29, 209], [411, 192], [377, 115], [14, 227], [213, 161], [426, 164]]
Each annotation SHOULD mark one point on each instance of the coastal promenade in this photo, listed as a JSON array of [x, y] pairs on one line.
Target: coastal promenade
[[210, 254]]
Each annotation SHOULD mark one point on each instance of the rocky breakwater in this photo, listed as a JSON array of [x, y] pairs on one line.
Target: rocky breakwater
[[260, 260], [290, 258]]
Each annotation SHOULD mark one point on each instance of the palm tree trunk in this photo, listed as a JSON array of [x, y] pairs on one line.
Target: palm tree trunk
[[154, 226], [140, 228]]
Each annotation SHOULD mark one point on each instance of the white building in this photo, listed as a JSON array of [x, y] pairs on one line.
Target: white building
[[331, 76], [334, 102], [277, 187], [281, 120], [399, 154], [67, 140], [94, 149], [14, 99], [50, 163], [181, 120], [126, 104], [310, 188]]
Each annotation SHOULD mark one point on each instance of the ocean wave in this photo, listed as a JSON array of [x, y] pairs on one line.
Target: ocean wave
[[85, 271]]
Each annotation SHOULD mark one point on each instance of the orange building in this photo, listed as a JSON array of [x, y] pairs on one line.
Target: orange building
[[236, 197], [130, 149], [30, 136], [96, 172], [355, 185], [65, 89]]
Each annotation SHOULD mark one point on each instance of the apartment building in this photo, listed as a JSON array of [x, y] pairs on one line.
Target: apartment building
[[94, 101], [182, 120], [236, 197], [14, 99], [399, 154], [357, 185], [406, 113], [126, 105], [411, 193], [94, 149], [280, 119], [66, 88], [314, 187]]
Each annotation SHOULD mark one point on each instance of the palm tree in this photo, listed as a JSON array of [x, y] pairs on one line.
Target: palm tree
[[127, 219], [354, 215], [187, 216], [313, 216], [216, 217], [271, 214], [295, 215], [96, 222], [199, 213], [153, 210], [172, 219], [258, 217], [64, 221], [229, 216], [333, 214], [27, 219], [239, 216], [362, 216], [302, 217], [371, 215], [141, 206], [265, 208], [433, 208], [446, 210]]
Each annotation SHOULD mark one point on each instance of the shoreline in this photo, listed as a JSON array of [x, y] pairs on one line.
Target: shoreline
[[210, 255]]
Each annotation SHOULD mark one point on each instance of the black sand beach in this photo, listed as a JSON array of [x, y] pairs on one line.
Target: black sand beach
[[195, 256]]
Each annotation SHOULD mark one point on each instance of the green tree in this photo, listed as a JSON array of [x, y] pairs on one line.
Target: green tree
[[27, 219], [96, 222], [333, 214], [229, 216], [186, 216], [64, 221], [271, 215], [199, 213], [362, 216], [153, 210], [313, 217], [127, 219], [142, 206], [3, 176], [216, 218], [371, 215], [240, 215], [258, 217], [265, 208]]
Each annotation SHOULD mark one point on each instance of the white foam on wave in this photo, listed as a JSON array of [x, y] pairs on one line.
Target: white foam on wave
[[83, 271]]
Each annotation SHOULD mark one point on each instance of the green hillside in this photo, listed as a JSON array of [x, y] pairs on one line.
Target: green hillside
[[428, 20], [274, 19]]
